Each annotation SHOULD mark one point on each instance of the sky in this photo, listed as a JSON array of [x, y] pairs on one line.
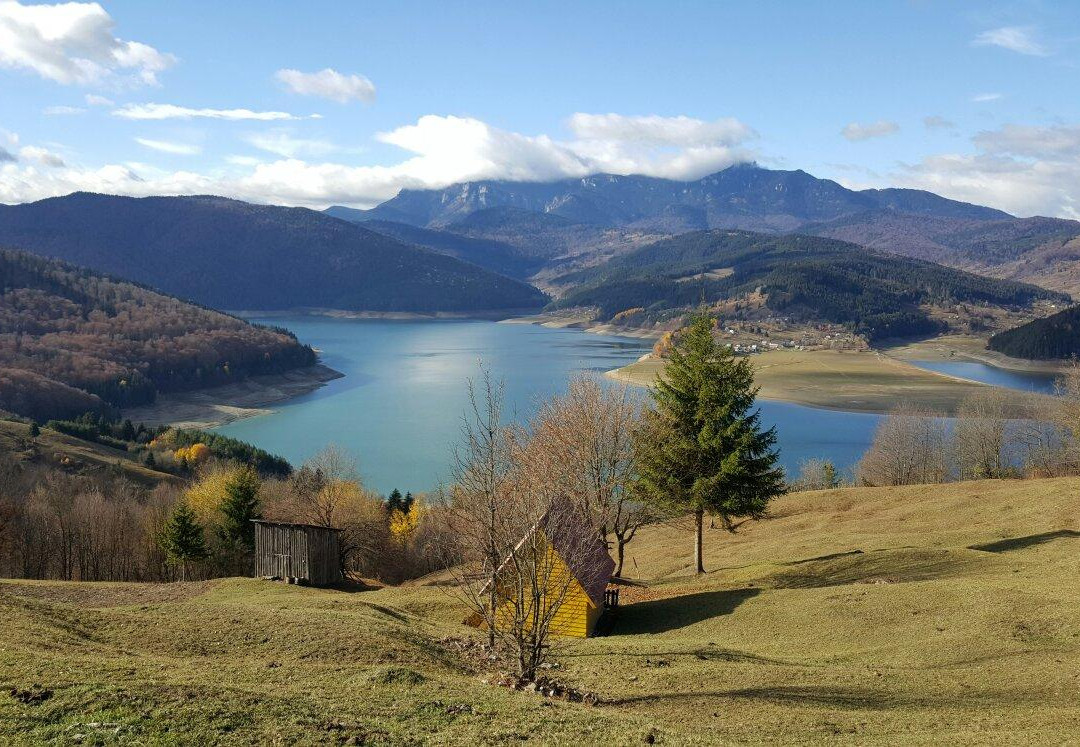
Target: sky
[[321, 103]]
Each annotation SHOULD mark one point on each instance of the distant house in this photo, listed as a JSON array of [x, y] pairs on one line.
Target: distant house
[[297, 553], [576, 570]]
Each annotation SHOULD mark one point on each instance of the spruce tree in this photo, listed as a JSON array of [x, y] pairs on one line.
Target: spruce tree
[[394, 502], [182, 538], [702, 448], [240, 505]]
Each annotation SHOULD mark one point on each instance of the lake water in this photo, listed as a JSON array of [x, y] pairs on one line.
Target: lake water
[[1022, 380], [398, 408]]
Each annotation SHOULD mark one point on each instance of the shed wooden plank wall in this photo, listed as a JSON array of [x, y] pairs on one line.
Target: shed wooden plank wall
[[303, 552]]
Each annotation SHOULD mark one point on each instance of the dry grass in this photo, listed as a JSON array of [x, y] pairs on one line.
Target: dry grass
[[929, 614], [862, 381]]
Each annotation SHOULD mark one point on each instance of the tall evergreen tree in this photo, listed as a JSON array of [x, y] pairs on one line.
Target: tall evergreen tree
[[240, 505], [394, 501], [182, 538], [702, 447]]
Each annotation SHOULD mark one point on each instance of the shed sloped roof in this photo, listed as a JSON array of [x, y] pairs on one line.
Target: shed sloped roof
[[578, 542]]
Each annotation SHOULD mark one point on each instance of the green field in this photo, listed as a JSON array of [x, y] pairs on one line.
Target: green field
[[855, 616]]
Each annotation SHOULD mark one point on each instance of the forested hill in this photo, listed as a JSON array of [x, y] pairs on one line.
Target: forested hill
[[73, 341], [234, 255], [804, 277], [1055, 336]]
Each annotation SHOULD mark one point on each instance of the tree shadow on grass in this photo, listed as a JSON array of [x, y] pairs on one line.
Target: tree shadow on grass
[[1019, 543], [826, 696], [662, 615]]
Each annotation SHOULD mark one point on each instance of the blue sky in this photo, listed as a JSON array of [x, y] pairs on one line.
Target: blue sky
[[973, 100]]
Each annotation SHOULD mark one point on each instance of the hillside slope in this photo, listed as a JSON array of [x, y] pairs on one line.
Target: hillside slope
[[854, 616], [233, 255], [1055, 336], [803, 277], [73, 341]]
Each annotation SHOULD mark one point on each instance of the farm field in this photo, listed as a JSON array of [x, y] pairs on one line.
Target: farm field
[[852, 380], [849, 616]]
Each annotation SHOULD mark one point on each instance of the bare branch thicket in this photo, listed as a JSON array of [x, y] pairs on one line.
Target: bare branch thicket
[[909, 448], [817, 474], [981, 435], [585, 442]]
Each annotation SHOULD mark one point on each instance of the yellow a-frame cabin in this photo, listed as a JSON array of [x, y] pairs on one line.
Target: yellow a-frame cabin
[[576, 570]]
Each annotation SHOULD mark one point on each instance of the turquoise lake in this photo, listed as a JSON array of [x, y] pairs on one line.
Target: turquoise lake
[[398, 408]]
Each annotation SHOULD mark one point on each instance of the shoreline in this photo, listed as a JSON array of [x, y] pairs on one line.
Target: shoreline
[[582, 323], [210, 408], [848, 381], [493, 315], [972, 349]]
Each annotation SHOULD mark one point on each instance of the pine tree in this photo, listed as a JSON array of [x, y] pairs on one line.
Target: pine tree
[[394, 501], [407, 502], [35, 430], [182, 538], [702, 447], [240, 505]]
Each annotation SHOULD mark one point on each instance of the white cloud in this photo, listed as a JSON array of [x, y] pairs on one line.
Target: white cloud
[[856, 131], [1024, 170], [935, 122], [92, 99], [40, 156], [1019, 39], [684, 131], [171, 111], [62, 110], [164, 146], [73, 43], [283, 143], [6, 156], [982, 98], [440, 150], [328, 84]]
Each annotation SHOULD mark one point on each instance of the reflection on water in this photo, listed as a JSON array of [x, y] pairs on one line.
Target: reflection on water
[[398, 408]]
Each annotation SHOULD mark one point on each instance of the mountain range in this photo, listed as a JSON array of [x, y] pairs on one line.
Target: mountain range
[[621, 213], [228, 254]]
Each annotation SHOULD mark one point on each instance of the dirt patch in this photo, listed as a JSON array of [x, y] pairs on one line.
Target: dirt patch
[[98, 595]]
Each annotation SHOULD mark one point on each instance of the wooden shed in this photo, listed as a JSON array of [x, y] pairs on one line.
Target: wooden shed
[[298, 553]]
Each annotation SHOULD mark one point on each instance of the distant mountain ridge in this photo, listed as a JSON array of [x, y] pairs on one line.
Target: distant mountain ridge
[[742, 196], [909, 222], [228, 254]]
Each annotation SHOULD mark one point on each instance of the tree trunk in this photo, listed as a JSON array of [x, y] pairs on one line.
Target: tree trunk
[[699, 520], [621, 552]]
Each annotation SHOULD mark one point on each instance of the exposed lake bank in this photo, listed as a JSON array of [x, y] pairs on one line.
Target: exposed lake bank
[[848, 380], [216, 406]]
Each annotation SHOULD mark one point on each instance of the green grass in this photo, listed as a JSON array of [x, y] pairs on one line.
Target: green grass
[[943, 614]]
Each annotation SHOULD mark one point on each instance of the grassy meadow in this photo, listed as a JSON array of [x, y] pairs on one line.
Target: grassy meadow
[[925, 614]]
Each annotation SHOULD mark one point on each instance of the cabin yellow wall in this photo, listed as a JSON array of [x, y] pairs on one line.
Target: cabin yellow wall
[[576, 616]]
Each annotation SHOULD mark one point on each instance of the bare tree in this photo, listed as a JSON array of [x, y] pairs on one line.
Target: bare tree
[[585, 442], [908, 449], [480, 505], [979, 435], [817, 474]]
